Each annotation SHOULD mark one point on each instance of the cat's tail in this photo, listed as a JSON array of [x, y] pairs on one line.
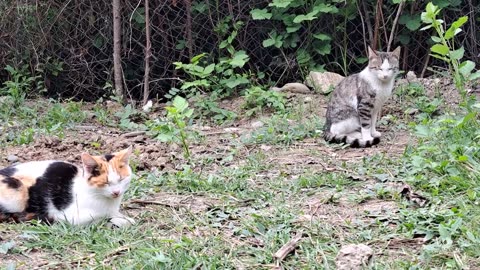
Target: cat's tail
[[354, 139]]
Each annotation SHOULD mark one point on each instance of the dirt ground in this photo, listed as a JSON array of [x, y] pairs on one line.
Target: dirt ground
[[309, 154]]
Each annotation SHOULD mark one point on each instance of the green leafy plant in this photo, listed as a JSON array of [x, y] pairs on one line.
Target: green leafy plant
[[174, 127], [296, 16], [256, 99], [445, 49], [19, 85]]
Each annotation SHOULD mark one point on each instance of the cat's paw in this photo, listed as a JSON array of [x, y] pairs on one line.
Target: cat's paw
[[367, 138], [376, 134], [122, 221]]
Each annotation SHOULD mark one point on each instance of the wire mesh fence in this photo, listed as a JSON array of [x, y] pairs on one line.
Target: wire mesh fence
[[69, 43]]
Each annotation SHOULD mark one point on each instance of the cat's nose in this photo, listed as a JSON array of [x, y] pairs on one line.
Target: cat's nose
[[115, 193]]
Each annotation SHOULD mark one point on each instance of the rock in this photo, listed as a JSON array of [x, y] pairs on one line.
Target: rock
[[293, 88], [411, 76], [354, 257], [12, 158], [148, 106], [257, 124], [323, 82]]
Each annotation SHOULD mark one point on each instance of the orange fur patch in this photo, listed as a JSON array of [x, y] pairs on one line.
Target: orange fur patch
[[119, 163], [101, 179], [19, 195]]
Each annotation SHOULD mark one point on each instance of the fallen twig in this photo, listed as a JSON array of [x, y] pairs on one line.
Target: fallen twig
[[133, 134], [287, 248]]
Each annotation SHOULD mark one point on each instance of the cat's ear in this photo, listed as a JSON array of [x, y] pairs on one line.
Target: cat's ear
[[89, 163], [124, 155], [371, 53], [396, 52]]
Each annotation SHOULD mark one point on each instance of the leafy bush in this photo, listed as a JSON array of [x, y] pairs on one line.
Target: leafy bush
[[174, 127], [256, 99], [445, 49]]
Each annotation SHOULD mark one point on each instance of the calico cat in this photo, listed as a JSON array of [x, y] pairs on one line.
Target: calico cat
[[356, 101], [57, 190]]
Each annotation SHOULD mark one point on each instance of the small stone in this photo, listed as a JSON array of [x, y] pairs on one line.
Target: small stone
[[12, 158], [308, 99], [354, 257], [265, 147], [411, 76], [257, 124]]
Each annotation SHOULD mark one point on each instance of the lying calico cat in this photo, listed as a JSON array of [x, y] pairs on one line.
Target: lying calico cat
[[56, 190], [356, 101]]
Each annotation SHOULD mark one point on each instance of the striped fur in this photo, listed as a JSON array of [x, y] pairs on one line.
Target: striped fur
[[356, 101]]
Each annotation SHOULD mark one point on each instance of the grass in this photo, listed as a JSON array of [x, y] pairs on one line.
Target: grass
[[236, 213]]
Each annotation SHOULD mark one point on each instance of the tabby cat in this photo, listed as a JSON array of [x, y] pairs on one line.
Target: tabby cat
[[57, 190], [356, 101]]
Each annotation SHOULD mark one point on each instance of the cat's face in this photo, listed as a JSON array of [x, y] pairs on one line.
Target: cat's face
[[108, 175], [384, 65]]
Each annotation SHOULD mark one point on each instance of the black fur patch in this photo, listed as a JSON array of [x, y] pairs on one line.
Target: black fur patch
[[355, 144], [108, 157], [12, 182], [376, 140], [54, 185], [9, 171]]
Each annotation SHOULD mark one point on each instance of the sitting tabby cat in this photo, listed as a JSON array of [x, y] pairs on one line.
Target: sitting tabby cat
[[356, 101], [56, 190]]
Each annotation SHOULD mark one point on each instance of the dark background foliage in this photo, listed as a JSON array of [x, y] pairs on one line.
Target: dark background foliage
[[68, 44]]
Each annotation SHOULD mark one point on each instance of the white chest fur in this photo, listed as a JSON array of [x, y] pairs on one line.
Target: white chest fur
[[382, 88]]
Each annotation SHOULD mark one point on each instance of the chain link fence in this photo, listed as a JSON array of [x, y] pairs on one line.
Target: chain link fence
[[69, 44]]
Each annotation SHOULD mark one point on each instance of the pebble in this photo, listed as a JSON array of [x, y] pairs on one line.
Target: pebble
[[12, 158]]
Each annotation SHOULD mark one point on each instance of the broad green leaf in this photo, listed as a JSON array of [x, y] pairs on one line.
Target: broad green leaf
[[324, 8], [466, 68], [323, 49], [457, 54], [197, 58], [436, 39], [180, 103], [440, 49], [234, 81], [474, 76], [455, 27], [321, 36], [268, 42], [239, 59], [294, 28], [306, 17], [208, 69], [431, 8], [280, 3], [164, 137], [260, 14], [441, 3], [196, 83], [413, 24]]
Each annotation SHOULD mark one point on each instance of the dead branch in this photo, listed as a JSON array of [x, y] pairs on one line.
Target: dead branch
[[117, 48], [148, 54], [287, 248]]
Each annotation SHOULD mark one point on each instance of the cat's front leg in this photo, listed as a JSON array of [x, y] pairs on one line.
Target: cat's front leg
[[374, 132], [121, 220], [365, 115]]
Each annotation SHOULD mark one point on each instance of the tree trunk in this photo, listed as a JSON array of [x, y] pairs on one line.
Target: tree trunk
[[148, 54], [117, 49]]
